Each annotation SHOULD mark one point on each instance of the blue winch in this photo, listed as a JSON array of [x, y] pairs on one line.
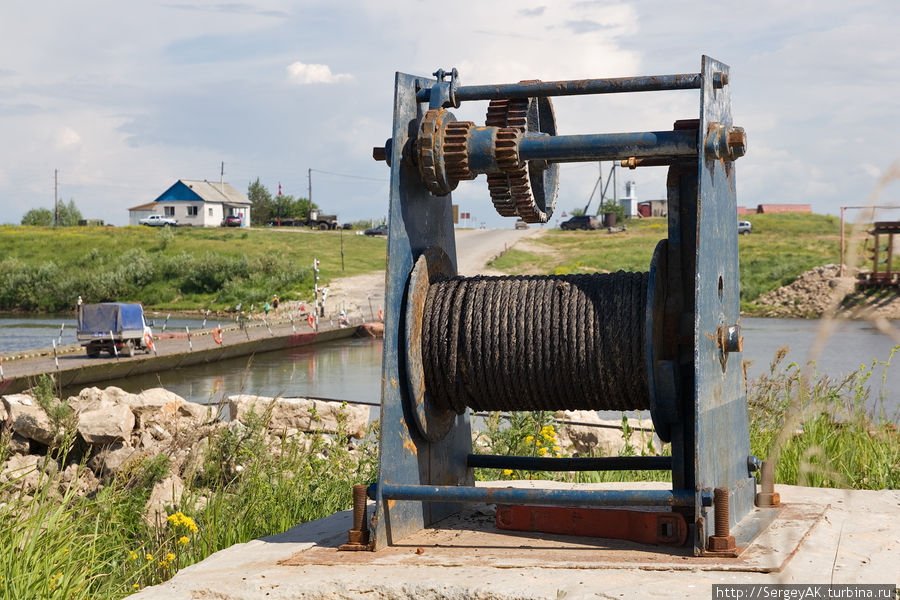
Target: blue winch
[[660, 340]]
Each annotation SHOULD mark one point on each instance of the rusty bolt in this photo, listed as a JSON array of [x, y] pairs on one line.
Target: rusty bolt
[[722, 540], [736, 141], [358, 537], [379, 153], [720, 79], [767, 496]]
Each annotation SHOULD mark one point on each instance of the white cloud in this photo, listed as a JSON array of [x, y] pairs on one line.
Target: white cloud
[[66, 138], [303, 73]]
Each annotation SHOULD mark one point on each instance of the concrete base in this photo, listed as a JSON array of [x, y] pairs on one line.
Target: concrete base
[[820, 536]]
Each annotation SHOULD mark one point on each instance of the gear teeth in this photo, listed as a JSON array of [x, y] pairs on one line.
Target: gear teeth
[[511, 190], [456, 157]]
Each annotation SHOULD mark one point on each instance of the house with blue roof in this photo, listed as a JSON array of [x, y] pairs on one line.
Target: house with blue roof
[[197, 203]]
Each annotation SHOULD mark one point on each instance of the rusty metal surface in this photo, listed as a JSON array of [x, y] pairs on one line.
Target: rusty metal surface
[[417, 221], [473, 539], [721, 440], [643, 527]]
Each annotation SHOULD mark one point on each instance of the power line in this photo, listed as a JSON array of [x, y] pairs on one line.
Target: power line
[[349, 176]]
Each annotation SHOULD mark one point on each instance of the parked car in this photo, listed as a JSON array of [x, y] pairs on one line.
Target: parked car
[[744, 227], [114, 327], [380, 230], [520, 224], [581, 222], [159, 221], [231, 221]]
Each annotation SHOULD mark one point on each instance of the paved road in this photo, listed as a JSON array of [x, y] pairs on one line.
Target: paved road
[[475, 247]]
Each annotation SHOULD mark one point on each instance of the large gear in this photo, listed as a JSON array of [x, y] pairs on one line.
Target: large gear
[[520, 189]]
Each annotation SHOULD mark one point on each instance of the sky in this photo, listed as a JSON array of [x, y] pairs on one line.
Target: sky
[[125, 98]]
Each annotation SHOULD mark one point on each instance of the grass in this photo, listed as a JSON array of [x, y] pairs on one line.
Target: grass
[[45, 269], [780, 248], [817, 431], [58, 544]]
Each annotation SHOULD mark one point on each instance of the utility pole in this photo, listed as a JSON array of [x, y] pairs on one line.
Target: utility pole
[[309, 175], [222, 179], [56, 197]]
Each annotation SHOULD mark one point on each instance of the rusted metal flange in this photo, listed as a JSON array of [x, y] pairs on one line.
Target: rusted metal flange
[[432, 421]]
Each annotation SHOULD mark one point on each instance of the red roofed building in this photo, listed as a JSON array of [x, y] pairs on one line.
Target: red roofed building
[[768, 209]]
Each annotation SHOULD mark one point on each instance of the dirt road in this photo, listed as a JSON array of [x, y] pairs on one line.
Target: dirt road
[[364, 294]]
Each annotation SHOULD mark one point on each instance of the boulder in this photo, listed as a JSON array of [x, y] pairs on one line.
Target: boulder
[[165, 493], [19, 444], [28, 419], [158, 405], [106, 424], [110, 460], [371, 330], [25, 471], [301, 414], [601, 437], [94, 397], [3, 415]]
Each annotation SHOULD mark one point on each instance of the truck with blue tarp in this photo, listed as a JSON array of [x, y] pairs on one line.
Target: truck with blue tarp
[[114, 327]]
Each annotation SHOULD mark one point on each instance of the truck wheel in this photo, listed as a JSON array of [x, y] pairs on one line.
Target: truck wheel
[[92, 352], [323, 226], [129, 348]]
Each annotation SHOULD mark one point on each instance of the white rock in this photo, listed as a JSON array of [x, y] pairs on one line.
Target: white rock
[[601, 437], [106, 424], [301, 413], [28, 419], [165, 493], [110, 461]]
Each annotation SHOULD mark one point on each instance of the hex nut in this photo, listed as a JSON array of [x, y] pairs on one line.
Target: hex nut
[[721, 544]]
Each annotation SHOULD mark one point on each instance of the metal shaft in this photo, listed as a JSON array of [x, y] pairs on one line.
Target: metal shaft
[[578, 87], [359, 508], [608, 146], [436, 493]]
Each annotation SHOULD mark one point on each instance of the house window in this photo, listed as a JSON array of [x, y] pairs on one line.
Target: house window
[[192, 211], [210, 211], [170, 211]]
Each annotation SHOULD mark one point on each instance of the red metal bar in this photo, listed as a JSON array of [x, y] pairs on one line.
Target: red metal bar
[[644, 527]]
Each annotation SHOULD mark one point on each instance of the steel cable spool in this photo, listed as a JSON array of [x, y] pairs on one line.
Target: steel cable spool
[[571, 342]]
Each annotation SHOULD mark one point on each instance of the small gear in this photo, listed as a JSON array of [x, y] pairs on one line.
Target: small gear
[[441, 149], [428, 148], [456, 158]]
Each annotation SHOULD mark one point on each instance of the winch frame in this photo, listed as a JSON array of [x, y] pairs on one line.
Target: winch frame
[[697, 395]]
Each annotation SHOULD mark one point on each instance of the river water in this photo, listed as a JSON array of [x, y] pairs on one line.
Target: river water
[[351, 369]]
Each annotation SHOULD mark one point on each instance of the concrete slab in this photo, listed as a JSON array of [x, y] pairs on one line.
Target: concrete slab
[[821, 536]]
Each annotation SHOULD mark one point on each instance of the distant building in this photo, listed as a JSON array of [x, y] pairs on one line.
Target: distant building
[[630, 202], [744, 211], [768, 209], [653, 208], [197, 203]]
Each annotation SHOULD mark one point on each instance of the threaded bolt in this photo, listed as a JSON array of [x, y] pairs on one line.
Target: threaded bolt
[[720, 500], [359, 508], [767, 496]]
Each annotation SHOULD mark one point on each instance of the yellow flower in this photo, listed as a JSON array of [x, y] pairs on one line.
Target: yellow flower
[[529, 439], [179, 519], [542, 451], [163, 564], [132, 555], [170, 557], [184, 540], [507, 472], [556, 449], [136, 586], [148, 556], [65, 550]]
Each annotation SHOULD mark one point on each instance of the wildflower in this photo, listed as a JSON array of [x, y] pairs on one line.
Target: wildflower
[[542, 451], [184, 540], [170, 557], [65, 550], [132, 555], [164, 564], [136, 586], [179, 519], [507, 472], [148, 556], [556, 449], [529, 439]]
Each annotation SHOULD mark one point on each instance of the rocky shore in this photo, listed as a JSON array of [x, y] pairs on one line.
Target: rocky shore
[[814, 291], [109, 431]]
